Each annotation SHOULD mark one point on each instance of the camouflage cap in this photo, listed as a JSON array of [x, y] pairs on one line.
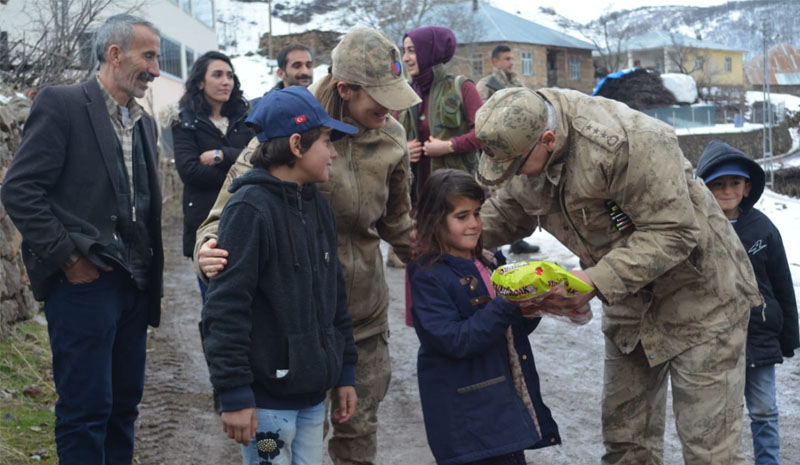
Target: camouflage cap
[[508, 125], [366, 57]]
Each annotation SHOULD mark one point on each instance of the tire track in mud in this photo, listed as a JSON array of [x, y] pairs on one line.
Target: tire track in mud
[[177, 423]]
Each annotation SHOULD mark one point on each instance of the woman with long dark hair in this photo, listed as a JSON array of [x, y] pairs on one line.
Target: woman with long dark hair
[[208, 137]]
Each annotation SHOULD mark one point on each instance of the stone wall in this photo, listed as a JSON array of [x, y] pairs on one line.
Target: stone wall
[[749, 142], [787, 181], [16, 300]]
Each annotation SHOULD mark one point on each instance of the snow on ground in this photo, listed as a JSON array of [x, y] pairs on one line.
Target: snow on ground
[[791, 102]]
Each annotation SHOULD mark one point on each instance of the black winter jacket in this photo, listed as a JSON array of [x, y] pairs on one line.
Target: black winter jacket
[[193, 135], [773, 330], [277, 333]]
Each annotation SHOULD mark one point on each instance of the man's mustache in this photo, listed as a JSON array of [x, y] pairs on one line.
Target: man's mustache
[[145, 76], [302, 76]]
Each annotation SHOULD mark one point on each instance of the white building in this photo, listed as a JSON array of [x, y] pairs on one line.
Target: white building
[[187, 31]]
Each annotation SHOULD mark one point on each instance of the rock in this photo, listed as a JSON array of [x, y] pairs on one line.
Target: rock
[[33, 391]]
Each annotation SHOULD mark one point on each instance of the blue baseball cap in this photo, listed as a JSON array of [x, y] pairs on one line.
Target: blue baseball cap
[[731, 168], [284, 112]]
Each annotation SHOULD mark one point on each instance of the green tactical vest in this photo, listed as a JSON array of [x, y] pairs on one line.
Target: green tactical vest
[[446, 119]]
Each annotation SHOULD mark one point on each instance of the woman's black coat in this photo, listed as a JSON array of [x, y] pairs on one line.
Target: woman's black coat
[[193, 135]]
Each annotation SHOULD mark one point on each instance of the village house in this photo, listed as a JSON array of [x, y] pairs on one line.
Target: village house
[[709, 63], [543, 57]]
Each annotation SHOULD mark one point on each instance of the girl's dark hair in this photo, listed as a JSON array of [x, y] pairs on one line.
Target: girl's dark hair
[[435, 203], [276, 152], [194, 100]]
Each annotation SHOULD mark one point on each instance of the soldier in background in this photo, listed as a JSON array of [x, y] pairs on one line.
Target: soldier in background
[[504, 77]]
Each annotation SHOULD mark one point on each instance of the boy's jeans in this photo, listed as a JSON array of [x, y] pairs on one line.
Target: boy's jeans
[[287, 437], [759, 395]]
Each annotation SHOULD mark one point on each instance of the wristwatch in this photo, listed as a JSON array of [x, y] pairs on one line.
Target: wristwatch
[[217, 158]]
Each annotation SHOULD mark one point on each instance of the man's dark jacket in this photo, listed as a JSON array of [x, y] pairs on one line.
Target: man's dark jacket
[[65, 190]]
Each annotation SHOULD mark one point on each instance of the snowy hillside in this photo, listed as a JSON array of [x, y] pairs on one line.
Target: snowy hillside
[[734, 24]]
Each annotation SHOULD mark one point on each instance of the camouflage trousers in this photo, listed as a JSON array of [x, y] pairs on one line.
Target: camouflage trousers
[[707, 388], [356, 441]]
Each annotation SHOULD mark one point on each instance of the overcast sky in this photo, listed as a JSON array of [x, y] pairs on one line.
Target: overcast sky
[[586, 10]]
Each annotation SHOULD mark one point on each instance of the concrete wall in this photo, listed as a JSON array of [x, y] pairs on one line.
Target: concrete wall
[[750, 142]]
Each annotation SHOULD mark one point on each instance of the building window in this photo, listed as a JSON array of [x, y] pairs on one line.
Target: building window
[[527, 63], [659, 65], [575, 69], [189, 55], [170, 59], [477, 64], [186, 5], [204, 11], [728, 64], [698, 63]]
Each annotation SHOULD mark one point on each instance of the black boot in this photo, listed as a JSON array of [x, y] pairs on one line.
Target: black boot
[[522, 247]]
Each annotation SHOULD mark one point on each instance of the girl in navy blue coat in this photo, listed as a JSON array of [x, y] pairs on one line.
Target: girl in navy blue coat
[[477, 379]]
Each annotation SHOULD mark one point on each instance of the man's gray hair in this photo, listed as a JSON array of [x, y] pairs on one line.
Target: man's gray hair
[[118, 29]]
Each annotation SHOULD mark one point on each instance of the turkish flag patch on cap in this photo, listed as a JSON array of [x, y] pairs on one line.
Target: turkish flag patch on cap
[[300, 119]]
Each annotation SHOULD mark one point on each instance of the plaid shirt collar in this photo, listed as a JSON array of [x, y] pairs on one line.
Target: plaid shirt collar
[[115, 109]]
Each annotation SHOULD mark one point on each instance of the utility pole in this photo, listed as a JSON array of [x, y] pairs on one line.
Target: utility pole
[[269, 37], [767, 117]]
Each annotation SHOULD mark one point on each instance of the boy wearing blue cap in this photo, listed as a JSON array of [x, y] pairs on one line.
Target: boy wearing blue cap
[[277, 333], [736, 181]]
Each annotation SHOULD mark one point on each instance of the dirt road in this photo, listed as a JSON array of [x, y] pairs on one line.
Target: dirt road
[[177, 425]]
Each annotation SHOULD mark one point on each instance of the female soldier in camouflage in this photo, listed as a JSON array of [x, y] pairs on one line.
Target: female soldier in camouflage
[[368, 189]]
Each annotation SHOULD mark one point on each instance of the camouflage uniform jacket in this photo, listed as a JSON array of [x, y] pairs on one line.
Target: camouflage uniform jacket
[[368, 189], [491, 83], [677, 278]]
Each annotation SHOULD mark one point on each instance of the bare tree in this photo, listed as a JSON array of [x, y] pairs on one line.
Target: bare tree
[[396, 17], [56, 46], [608, 34]]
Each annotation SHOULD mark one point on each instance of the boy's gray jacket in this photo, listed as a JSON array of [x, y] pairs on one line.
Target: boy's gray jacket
[[680, 277], [368, 189]]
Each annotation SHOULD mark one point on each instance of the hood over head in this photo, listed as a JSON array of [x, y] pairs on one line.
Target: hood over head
[[720, 159]]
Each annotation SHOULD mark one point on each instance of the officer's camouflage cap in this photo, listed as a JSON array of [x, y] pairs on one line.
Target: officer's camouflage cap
[[508, 125], [366, 57]]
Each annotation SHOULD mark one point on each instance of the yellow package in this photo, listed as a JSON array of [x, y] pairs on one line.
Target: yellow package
[[527, 283]]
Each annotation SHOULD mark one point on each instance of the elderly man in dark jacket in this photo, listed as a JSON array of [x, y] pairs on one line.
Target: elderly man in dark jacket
[[83, 190]]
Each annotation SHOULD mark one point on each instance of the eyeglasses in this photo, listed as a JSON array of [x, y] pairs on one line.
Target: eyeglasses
[[525, 159]]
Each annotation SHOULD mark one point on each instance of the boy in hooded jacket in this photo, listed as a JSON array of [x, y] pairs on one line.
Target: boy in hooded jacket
[[737, 182], [277, 332]]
